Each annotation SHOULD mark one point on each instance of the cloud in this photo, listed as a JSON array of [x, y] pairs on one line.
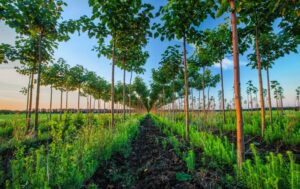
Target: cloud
[[228, 64]]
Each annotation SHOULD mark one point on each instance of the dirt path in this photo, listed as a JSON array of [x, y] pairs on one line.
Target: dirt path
[[149, 164]]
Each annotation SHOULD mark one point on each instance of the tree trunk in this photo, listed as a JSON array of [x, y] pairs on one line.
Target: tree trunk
[[203, 94], [113, 86], [38, 88], [78, 102], [90, 105], [130, 93], [199, 102], [237, 90], [30, 101], [27, 97], [208, 101], [61, 102], [163, 100], [262, 103], [281, 103], [67, 96], [51, 92], [173, 99], [124, 91], [222, 90], [186, 93]]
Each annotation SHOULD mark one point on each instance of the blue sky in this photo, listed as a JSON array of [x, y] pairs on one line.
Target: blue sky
[[78, 50]]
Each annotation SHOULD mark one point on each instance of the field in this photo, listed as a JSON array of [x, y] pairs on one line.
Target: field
[[81, 151], [148, 94]]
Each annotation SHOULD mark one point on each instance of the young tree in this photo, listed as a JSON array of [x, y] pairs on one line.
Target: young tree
[[224, 6], [114, 19], [77, 76], [298, 96], [220, 43], [29, 19], [181, 20], [171, 66]]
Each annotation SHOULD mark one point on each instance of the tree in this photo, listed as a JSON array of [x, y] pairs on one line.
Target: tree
[[258, 20], [77, 76], [298, 96], [224, 6], [49, 77], [272, 46], [29, 19], [276, 89], [171, 66], [136, 65], [62, 69], [115, 18], [219, 41], [181, 20]]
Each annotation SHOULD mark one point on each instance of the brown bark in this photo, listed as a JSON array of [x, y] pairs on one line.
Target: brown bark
[[51, 92], [61, 99], [203, 96], [186, 95], [36, 122], [262, 103], [222, 95], [78, 102], [124, 91], [113, 86], [130, 93], [30, 101], [67, 96], [237, 91], [173, 99]]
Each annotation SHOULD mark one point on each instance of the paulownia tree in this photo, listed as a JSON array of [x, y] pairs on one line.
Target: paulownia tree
[[181, 20]]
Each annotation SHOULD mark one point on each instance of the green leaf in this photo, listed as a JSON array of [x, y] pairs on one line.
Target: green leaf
[[183, 177]]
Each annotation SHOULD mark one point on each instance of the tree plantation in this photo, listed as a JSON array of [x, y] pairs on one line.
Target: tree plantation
[[149, 94]]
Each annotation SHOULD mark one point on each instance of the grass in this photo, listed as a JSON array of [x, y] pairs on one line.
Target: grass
[[269, 171]]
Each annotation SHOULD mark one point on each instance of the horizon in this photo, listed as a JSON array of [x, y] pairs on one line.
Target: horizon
[[78, 50]]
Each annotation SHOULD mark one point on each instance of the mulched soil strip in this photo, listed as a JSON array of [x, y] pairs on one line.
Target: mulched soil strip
[[150, 166]]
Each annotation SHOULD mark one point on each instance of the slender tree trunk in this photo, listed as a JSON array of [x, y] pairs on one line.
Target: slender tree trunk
[[51, 92], [67, 96], [222, 88], [163, 100], [208, 101], [104, 107], [173, 99], [78, 102], [27, 96], [61, 103], [130, 93], [199, 102], [248, 101], [38, 88], [186, 93], [90, 107], [237, 90], [124, 85], [251, 101], [113, 86], [30, 100], [203, 94], [281, 103], [262, 103]]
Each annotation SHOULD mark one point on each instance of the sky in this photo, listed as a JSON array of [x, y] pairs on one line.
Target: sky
[[78, 50]]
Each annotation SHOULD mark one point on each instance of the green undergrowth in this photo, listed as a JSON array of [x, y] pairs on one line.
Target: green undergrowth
[[73, 155], [269, 171]]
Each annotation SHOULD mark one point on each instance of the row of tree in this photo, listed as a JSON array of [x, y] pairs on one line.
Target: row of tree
[[182, 20], [126, 23]]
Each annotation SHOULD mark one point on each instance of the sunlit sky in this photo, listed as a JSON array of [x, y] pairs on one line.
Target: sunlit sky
[[78, 50]]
